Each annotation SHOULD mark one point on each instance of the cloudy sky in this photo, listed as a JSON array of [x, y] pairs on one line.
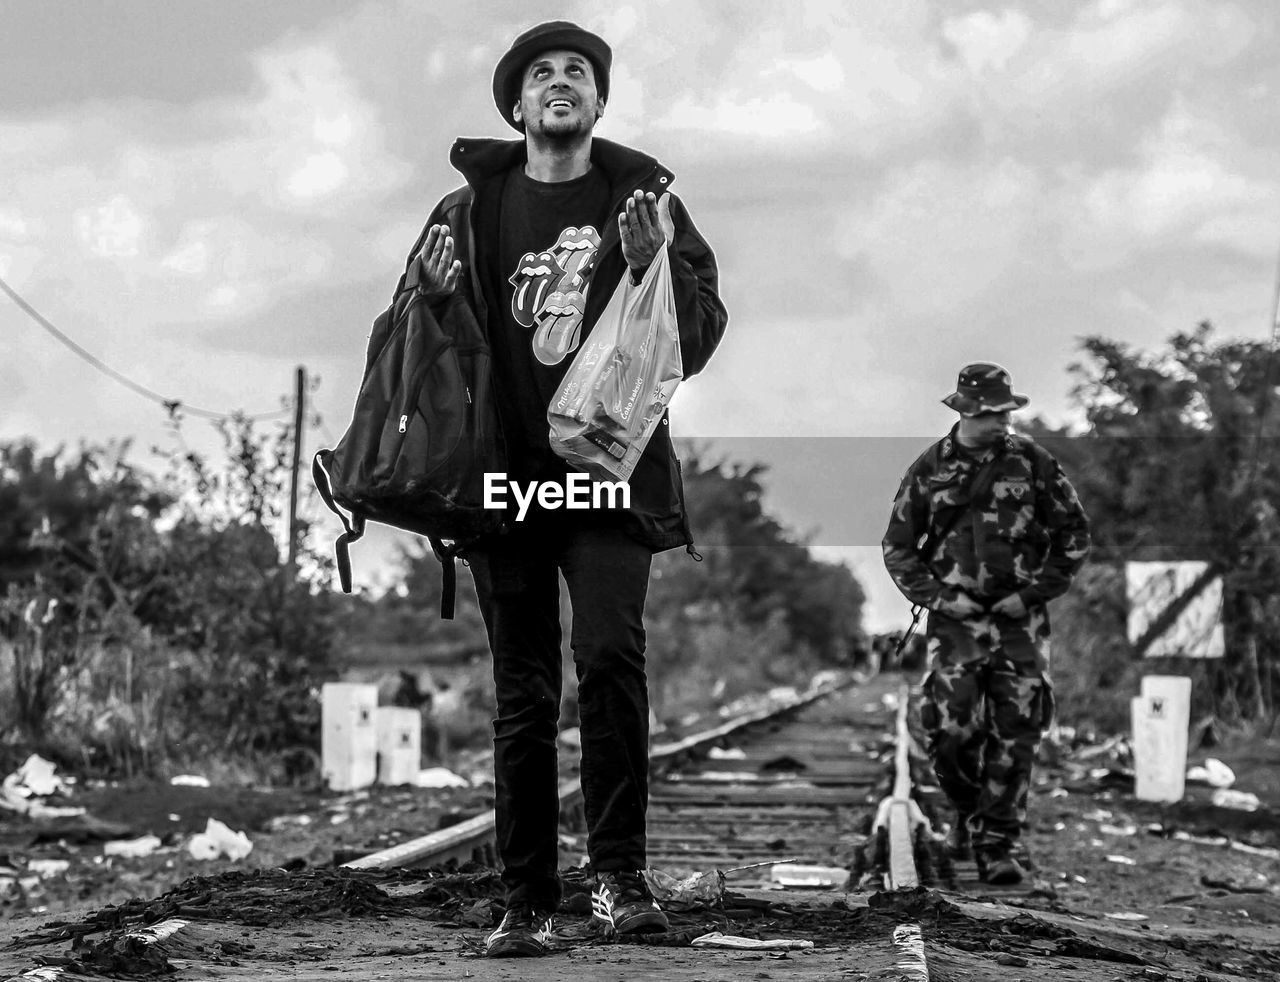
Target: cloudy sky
[[206, 195]]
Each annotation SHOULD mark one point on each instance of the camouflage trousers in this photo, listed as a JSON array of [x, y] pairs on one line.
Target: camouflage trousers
[[987, 700]]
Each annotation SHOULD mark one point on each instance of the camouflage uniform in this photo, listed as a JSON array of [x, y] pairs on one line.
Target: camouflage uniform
[[988, 696]]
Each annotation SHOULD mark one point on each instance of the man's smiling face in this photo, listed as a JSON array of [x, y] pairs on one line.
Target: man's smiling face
[[558, 99]]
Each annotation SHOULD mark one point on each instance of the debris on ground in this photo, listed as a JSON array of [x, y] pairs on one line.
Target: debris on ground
[[36, 778], [440, 777], [25, 790], [143, 845], [218, 839], [705, 888], [1245, 801], [818, 877], [1212, 772], [717, 940]]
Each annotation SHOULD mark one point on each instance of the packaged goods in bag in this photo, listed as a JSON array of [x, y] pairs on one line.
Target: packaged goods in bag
[[622, 378]]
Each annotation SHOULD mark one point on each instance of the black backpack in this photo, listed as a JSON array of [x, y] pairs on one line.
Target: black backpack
[[423, 433]]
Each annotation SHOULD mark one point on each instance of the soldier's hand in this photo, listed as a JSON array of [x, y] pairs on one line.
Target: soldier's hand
[[1010, 606], [645, 226], [439, 269], [960, 606]]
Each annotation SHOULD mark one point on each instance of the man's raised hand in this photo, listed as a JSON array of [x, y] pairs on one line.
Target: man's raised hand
[[439, 269], [645, 226]]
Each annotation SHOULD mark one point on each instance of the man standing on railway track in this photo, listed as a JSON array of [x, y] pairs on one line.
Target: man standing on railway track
[[535, 244], [985, 530]]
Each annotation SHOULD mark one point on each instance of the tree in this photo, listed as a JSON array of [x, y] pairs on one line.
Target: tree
[[172, 614], [1178, 462]]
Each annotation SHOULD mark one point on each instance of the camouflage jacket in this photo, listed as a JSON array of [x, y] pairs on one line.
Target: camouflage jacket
[[1028, 534]]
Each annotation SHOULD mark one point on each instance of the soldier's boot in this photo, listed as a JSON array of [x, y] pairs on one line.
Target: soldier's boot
[[997, 865], [959, 840]]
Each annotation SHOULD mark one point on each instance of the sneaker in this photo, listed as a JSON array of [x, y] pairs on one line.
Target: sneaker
[[523, 933], [999, 868], [623, 903], [959, 840]]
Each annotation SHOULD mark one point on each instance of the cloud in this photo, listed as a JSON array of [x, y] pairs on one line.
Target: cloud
[[823, 73], [776, 117], [1187, 186], [936, 236], [985, 40], [111, 229], [310, 140]]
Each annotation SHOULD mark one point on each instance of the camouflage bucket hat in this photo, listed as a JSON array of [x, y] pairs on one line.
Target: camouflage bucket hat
[[984, 388]]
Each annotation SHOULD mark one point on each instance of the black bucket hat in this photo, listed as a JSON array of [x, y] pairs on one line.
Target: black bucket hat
[[984, 388], [547, 37]]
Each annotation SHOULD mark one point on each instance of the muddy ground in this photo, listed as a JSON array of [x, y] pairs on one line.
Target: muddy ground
[[1123, 890]]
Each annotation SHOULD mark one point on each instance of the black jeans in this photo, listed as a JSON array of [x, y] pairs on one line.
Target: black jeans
[[607, 573]]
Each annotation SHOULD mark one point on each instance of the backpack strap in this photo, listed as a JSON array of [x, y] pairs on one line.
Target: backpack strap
[[354, 525], [449, 589], [980, 482]]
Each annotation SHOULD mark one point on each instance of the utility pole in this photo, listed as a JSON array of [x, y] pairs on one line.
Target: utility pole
[[299, 413]]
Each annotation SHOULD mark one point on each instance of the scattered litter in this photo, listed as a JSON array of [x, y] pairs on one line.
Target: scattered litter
[[729, 753], [1097, 815], [1122, 860], [717, 940], [1116, 744], [796, 875], [45, 868], [35, 778], [1059, 793], [1127, 915], [1243, 801], [1202, 840], [697, 888], [37, 810], [219, 840], [1266, 851], [1118, 829], [289, 821], [143, 845], [189, 781], [440, 777], [1214, 773]]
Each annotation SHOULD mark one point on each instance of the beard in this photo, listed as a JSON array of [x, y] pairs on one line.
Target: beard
[[562, 132]]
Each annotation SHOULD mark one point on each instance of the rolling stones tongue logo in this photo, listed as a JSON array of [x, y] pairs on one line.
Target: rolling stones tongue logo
[[551, 292]]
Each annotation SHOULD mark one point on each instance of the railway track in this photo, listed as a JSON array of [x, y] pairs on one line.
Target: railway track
[[826, 791]]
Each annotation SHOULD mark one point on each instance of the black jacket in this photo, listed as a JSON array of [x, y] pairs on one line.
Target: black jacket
[[657, 514]]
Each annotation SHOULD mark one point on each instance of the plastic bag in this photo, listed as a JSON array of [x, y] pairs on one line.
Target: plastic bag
[[614, 394]]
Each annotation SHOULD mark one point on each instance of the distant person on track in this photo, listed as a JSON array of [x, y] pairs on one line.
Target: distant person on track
[[986, 529], [535, 243]]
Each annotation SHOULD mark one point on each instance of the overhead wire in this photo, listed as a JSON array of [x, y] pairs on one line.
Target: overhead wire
[[171, 406]]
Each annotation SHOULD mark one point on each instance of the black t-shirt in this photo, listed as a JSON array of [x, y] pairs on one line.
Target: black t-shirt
[[544, 237]]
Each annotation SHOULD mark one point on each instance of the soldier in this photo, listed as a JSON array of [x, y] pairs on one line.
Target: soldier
[[986, 529]]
